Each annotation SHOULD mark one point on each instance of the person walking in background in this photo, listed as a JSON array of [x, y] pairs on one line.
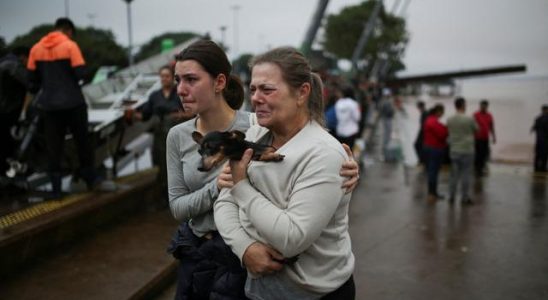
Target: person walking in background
[[56, 69], [420, 136], [165, 107], [486, 128], [461, 130], [330, 113], [435, 144], [13, 88], [386, 115], [540, 127], [348, 117]]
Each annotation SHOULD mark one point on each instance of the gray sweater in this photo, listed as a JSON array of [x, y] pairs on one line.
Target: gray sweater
[[298, 207], [191, 192]]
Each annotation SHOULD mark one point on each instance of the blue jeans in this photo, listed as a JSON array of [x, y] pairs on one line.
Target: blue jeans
[[461, 168], [434, 159]]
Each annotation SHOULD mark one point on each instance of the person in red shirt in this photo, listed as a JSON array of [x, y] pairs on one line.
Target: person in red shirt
[[435, 144], [486, 127]]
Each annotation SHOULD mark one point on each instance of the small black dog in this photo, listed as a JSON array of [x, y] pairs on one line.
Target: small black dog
[[217, 146]]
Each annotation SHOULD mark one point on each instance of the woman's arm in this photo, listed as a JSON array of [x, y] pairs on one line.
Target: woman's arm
[[184, 203], [257, 257], [227, 219], [315, 197]]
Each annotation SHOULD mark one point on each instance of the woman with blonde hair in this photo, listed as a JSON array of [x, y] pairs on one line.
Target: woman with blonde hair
[[288, 221]]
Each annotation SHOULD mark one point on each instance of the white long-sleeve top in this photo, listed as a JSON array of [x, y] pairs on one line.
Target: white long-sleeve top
[[297, 206], [348, 117]]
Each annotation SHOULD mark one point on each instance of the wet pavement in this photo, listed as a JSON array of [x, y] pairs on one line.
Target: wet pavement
[[408, 249], [405, 248], [112, 263]]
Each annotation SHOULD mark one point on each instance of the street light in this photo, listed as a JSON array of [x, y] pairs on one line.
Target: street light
[[223, 29], [91, 17], [66, 8], [235, 8], [129, 29]]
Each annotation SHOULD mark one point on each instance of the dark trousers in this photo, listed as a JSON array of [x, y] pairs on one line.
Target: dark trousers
[[7, 150], [208, 269], [481, 155], [541, 156], [419, 148], [349, 140], [434, 158], [56, 124], [347, 291]]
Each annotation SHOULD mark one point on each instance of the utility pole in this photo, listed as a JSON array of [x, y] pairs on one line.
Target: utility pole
[[91, 17], [235, 8], [130, 35], [66, 8], [223, 40]]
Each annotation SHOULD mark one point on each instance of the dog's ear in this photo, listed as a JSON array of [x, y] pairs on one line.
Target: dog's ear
[[197, 137], [237, 135]]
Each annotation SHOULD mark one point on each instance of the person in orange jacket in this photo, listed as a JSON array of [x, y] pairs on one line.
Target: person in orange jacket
[[57, 69]]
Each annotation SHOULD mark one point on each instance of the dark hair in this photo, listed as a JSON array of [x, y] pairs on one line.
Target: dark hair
[[484, 102], [65, 24], [421, 105], [296, 71], [459, 103], [438, 108], [348, 92], [214, 61], [165, 67]]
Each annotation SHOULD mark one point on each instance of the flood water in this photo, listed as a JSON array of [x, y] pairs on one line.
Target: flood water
[[514, 103]]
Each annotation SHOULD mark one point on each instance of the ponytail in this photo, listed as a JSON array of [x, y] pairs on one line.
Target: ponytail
[[234, 92], [315, 101]]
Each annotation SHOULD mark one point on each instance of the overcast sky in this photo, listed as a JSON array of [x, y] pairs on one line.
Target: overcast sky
[[445, 35]]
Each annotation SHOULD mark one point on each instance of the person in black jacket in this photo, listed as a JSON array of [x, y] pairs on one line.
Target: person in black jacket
[[165, 107], [57, 69], [419, 140], [540, 127], [13, 87]]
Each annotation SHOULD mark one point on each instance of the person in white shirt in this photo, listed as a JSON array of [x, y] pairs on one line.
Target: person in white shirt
[[288, 221], [348, 117]]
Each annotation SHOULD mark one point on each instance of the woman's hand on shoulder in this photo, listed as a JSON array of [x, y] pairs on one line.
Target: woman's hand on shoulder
[[224, 180], [350, 170], [260, 259]]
